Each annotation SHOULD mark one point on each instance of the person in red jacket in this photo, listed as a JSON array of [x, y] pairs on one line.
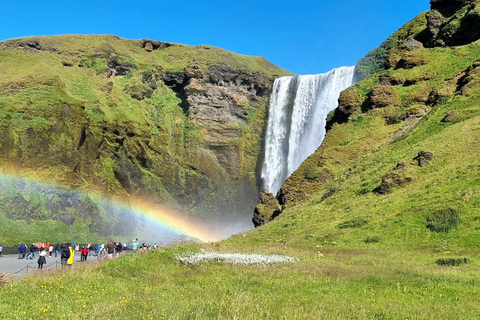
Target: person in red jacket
[[84, 253]]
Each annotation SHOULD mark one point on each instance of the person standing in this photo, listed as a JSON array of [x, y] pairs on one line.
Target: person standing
[[135, 245], [1, 249], [22, 249], [83, 253], [42, 258], [110, 249], [70, 259], [119, 248], [65, 254]]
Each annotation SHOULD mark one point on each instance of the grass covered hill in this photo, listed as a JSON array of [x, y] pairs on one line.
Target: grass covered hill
[[400, 162], [180, 125]]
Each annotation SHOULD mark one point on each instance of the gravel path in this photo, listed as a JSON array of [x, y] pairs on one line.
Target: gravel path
[[10, 264]]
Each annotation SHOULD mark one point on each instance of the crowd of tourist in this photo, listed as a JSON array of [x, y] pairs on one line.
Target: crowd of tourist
[[68, 250]]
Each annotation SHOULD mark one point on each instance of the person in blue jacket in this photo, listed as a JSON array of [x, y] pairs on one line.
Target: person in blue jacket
[[21, 250]]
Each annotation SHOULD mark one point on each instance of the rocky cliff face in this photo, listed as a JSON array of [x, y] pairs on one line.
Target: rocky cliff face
[[180, 125]]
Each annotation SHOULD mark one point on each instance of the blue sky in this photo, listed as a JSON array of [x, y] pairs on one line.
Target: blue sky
[[302, 36]]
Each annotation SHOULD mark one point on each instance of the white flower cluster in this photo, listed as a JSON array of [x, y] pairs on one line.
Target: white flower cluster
[[235, 258]]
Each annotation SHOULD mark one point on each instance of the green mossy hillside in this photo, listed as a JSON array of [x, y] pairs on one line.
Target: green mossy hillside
[[131, 117], [405, 147]]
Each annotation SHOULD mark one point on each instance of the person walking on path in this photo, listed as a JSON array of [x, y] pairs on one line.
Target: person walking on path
[[110, 249], [33, 250], [42, 258], [1, 249], [64, 254]]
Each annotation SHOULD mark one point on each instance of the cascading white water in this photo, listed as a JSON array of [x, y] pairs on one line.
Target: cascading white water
[[299, 106]]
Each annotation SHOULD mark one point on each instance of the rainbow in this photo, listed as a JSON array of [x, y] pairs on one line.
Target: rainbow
[[160, 217], [172, 219]]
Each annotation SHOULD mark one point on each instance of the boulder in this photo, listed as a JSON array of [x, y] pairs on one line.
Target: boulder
[[384, 96], [392, 180], [423, 158], [267, 210], [450, 116], [411, 44]]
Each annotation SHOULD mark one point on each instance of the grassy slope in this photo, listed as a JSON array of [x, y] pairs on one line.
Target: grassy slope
[[359, 153]]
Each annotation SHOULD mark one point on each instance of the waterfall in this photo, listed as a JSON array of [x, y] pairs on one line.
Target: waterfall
[[299, 106]]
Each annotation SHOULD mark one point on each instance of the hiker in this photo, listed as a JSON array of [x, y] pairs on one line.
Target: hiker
[[1, 249], [72, 253], [50, 250], [110, 249], [22, 249], [65, 254], [42, 258], [57, 246]]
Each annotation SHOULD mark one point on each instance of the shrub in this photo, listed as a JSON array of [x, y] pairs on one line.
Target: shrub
[[4, 279], [331, 189], [443, 220], [310, 173], [373, 239], [451, 261], [354, 223], [396, 116]]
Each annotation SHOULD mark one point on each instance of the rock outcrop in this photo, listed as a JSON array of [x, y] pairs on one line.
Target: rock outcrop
[[267, 209]]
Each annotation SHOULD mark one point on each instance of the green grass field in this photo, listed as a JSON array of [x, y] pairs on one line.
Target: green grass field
[[326, 283]]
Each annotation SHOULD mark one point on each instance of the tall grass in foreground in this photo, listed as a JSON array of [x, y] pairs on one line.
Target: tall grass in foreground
[[338, 284]]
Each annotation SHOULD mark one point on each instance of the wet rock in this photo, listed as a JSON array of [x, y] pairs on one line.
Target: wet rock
[[348, 103], [267, 210]]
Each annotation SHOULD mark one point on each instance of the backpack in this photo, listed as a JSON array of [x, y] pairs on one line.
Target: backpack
[[66, 252]]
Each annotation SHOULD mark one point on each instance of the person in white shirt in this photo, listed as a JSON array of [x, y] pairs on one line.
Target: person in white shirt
[[42, 258]]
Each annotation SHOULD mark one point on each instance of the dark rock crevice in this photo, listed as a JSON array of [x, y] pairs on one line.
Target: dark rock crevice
[[178, 82]]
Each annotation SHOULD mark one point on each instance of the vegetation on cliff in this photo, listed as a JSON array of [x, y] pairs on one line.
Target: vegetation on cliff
[[401, 147], [178, 124]]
